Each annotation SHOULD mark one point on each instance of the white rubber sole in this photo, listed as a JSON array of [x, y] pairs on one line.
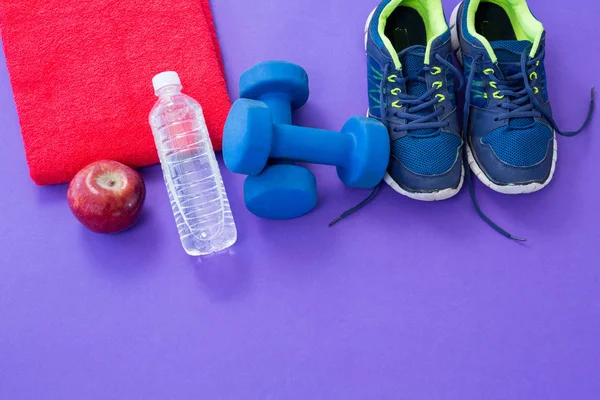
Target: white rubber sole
[[421, 196], [505, 189], [439, 195]]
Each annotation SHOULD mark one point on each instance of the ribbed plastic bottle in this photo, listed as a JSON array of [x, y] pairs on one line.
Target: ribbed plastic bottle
[[190, 169]]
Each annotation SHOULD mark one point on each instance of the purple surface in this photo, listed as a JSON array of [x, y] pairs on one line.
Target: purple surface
[[403, 300]]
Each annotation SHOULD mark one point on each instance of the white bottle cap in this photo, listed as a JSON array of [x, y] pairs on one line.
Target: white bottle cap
[[165, 79]]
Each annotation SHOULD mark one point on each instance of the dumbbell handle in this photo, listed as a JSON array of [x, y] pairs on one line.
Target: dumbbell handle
[[280, 107], [311, 145], [279, 104]]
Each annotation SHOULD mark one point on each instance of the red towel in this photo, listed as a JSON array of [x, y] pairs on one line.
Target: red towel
[[81, 73]]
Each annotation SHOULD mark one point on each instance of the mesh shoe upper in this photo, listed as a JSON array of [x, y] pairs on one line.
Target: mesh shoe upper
[[520, 147], [423, 151], [428, 156], [523, 142]]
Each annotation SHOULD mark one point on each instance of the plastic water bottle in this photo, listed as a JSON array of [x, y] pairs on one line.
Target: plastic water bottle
[[190, 169]]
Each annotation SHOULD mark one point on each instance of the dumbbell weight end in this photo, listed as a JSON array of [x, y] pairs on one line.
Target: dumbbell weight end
[[281, 192]]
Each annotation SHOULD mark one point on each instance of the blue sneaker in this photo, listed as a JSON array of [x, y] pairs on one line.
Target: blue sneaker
[[509, 131], [411, 84]]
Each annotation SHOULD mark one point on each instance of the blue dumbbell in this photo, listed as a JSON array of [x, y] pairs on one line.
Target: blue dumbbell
[[282, 190], [361, 151]]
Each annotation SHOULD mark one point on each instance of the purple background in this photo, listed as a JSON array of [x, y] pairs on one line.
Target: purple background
[[403, 300]]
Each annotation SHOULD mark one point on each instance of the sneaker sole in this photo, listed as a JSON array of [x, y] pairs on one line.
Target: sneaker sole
[[439, 195], [505, 189]]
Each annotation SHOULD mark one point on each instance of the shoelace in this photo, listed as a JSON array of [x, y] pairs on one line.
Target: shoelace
[[408, 106], [414, 104], [522, 104]]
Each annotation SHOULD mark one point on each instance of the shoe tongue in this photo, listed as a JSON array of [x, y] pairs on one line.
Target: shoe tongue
[[510, 51], [413, 61]]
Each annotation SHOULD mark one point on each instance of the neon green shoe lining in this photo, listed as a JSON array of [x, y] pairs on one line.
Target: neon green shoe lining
[[524, 23], [433, 16]]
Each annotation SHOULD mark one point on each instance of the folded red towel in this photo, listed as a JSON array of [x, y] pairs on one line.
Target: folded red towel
[[81, 74], [213, 32]]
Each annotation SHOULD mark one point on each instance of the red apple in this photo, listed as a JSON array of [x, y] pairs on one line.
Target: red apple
[[107, 196]]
